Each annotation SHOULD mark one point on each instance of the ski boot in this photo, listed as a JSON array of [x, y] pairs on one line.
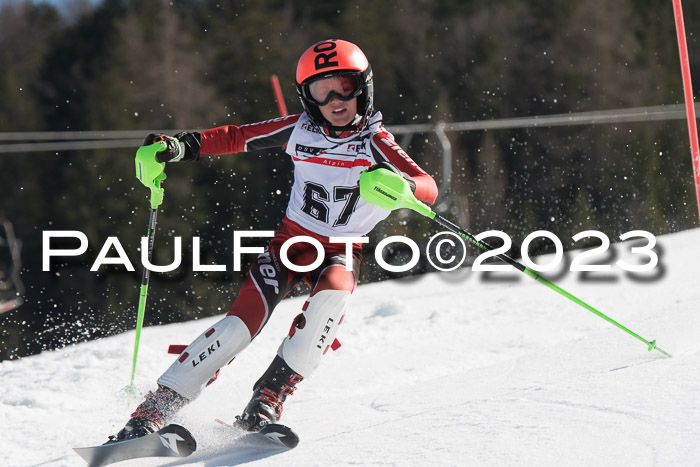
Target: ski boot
[[269, 393], [151, 415]]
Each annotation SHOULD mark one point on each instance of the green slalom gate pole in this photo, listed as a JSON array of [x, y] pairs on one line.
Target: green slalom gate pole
[[390, 191], [151, 173]]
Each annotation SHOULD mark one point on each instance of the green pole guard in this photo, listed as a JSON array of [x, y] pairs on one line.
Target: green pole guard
[[150, 172], [390, 191]]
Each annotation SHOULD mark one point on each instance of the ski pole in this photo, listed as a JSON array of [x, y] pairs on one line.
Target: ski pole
[[388, 190], [151, 173]]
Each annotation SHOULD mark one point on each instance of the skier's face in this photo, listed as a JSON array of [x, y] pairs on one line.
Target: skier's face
[[335, 96], [338, 112]]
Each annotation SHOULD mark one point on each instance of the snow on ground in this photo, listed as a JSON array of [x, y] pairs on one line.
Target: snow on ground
[[443, 369]]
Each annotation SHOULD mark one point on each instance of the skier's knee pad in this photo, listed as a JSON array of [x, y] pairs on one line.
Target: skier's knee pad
[[200, 361], [314, 330]]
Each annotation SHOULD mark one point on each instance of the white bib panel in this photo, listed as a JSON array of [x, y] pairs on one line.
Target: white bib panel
[[325, 197]]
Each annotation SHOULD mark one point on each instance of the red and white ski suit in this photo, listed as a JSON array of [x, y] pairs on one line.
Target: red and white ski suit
[[324, 202]]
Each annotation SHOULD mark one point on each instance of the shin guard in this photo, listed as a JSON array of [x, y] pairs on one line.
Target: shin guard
[[203, 358], [314, 330]]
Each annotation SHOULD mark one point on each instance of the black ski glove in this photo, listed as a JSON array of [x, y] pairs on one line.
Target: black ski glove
[[391, 167], [181, 147]]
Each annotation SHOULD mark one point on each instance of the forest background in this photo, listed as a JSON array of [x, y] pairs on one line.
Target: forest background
[[187, 64]]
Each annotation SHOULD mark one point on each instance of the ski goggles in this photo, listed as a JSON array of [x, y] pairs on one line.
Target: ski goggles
[[344, 86]]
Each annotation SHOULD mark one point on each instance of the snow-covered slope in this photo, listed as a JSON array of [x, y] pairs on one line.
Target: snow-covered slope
[[444, 369]]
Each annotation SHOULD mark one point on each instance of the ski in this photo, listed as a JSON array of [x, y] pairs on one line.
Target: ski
[[276, 434], [170, 441]]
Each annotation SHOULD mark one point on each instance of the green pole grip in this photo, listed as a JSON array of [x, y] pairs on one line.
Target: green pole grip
[[390, 191], [151, 172]]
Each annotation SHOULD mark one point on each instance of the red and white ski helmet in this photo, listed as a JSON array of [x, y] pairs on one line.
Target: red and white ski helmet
[[330, 58]]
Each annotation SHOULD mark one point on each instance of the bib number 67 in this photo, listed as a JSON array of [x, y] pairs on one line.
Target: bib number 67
[[316, 199]]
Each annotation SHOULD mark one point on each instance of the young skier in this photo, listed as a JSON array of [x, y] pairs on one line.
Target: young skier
[[336, 137]]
